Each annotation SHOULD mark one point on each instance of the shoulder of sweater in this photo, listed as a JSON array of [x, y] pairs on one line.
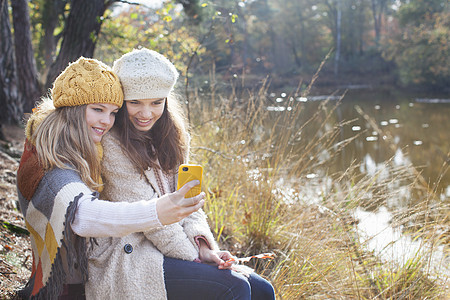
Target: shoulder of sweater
[[56, 180], [60, 176], [115, 162], [112, 149], [110, 140]]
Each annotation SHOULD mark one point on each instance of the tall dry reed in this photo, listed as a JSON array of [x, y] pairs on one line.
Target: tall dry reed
[[270, 189]]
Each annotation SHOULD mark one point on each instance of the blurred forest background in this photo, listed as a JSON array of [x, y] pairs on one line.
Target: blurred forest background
[[403, 43]]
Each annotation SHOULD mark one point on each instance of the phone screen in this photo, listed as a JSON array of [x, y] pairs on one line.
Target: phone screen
[[188, 172]]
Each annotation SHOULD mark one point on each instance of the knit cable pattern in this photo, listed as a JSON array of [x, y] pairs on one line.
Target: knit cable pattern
[[87, 81]]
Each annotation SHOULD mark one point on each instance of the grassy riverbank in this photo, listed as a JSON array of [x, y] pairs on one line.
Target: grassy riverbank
[[264, 195]]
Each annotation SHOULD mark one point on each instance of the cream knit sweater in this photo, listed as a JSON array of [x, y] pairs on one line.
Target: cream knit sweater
[[116, 274]]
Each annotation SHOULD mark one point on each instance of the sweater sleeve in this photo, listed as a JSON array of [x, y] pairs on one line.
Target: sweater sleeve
[[196, 225], [99, 218]]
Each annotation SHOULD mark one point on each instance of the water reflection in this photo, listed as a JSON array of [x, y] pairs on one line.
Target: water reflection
[[390, 244], [411, 133], [393, 131], [389, 133]]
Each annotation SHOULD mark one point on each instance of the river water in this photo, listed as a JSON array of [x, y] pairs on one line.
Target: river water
[[409, 128], [406, 129]]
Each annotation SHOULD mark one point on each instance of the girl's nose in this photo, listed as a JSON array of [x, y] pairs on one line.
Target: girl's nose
[[107, 119], [147, 112]]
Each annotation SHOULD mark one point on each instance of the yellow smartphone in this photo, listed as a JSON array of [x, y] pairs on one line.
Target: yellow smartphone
[[189, 172]]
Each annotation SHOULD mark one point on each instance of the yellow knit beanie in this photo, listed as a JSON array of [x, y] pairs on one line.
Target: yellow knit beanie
[[87, 81]]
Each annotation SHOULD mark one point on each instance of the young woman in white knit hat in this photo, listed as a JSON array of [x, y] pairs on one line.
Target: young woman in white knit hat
[[142, 154], [58, 181]]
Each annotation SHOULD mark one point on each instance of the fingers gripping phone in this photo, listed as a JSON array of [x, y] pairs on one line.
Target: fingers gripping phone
[[188, 172]]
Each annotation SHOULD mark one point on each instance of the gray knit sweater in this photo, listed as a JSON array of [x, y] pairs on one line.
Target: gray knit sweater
[[131, 267]]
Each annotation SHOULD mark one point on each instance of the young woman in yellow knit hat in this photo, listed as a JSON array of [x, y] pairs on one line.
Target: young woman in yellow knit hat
[[142, 154], [58, 181]]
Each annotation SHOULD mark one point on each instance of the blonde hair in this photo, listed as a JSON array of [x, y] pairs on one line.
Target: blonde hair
[[62, 140]]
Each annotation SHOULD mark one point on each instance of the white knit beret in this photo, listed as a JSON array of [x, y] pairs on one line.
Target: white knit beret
[[145, 74]]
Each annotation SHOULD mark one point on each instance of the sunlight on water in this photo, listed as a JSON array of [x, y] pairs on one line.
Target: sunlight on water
[[409, 135], [390, 244], [371, 138], [276, 108], [404, 129], [399, 158]]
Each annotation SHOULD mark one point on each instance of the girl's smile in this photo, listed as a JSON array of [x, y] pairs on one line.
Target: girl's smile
[[144, 113], [100, 118]]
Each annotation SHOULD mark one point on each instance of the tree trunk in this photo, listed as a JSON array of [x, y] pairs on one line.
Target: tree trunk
[[29, 88], [51, 12], [193, 10], [361, 20], [378, 7], [10, 107], [298, 61], [80, 34], [338, 37]]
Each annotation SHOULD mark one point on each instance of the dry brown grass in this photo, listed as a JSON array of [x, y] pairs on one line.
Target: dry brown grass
[[260, 199]]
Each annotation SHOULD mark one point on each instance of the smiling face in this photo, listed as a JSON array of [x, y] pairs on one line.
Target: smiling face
[[100, 118], [144, 113]]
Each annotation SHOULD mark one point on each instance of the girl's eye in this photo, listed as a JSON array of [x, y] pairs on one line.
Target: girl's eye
[[98, 109]]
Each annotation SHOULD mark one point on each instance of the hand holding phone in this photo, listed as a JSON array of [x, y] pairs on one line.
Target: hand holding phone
[[187, 173]]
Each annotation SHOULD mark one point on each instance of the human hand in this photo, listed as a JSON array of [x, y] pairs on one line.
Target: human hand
[[221, 259], [228, 260], [173, 207]]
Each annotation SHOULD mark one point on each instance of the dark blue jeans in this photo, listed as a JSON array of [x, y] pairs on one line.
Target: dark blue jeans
[[191, 280]]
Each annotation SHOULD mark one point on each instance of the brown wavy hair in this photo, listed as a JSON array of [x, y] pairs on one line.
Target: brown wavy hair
[[164, 146]]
